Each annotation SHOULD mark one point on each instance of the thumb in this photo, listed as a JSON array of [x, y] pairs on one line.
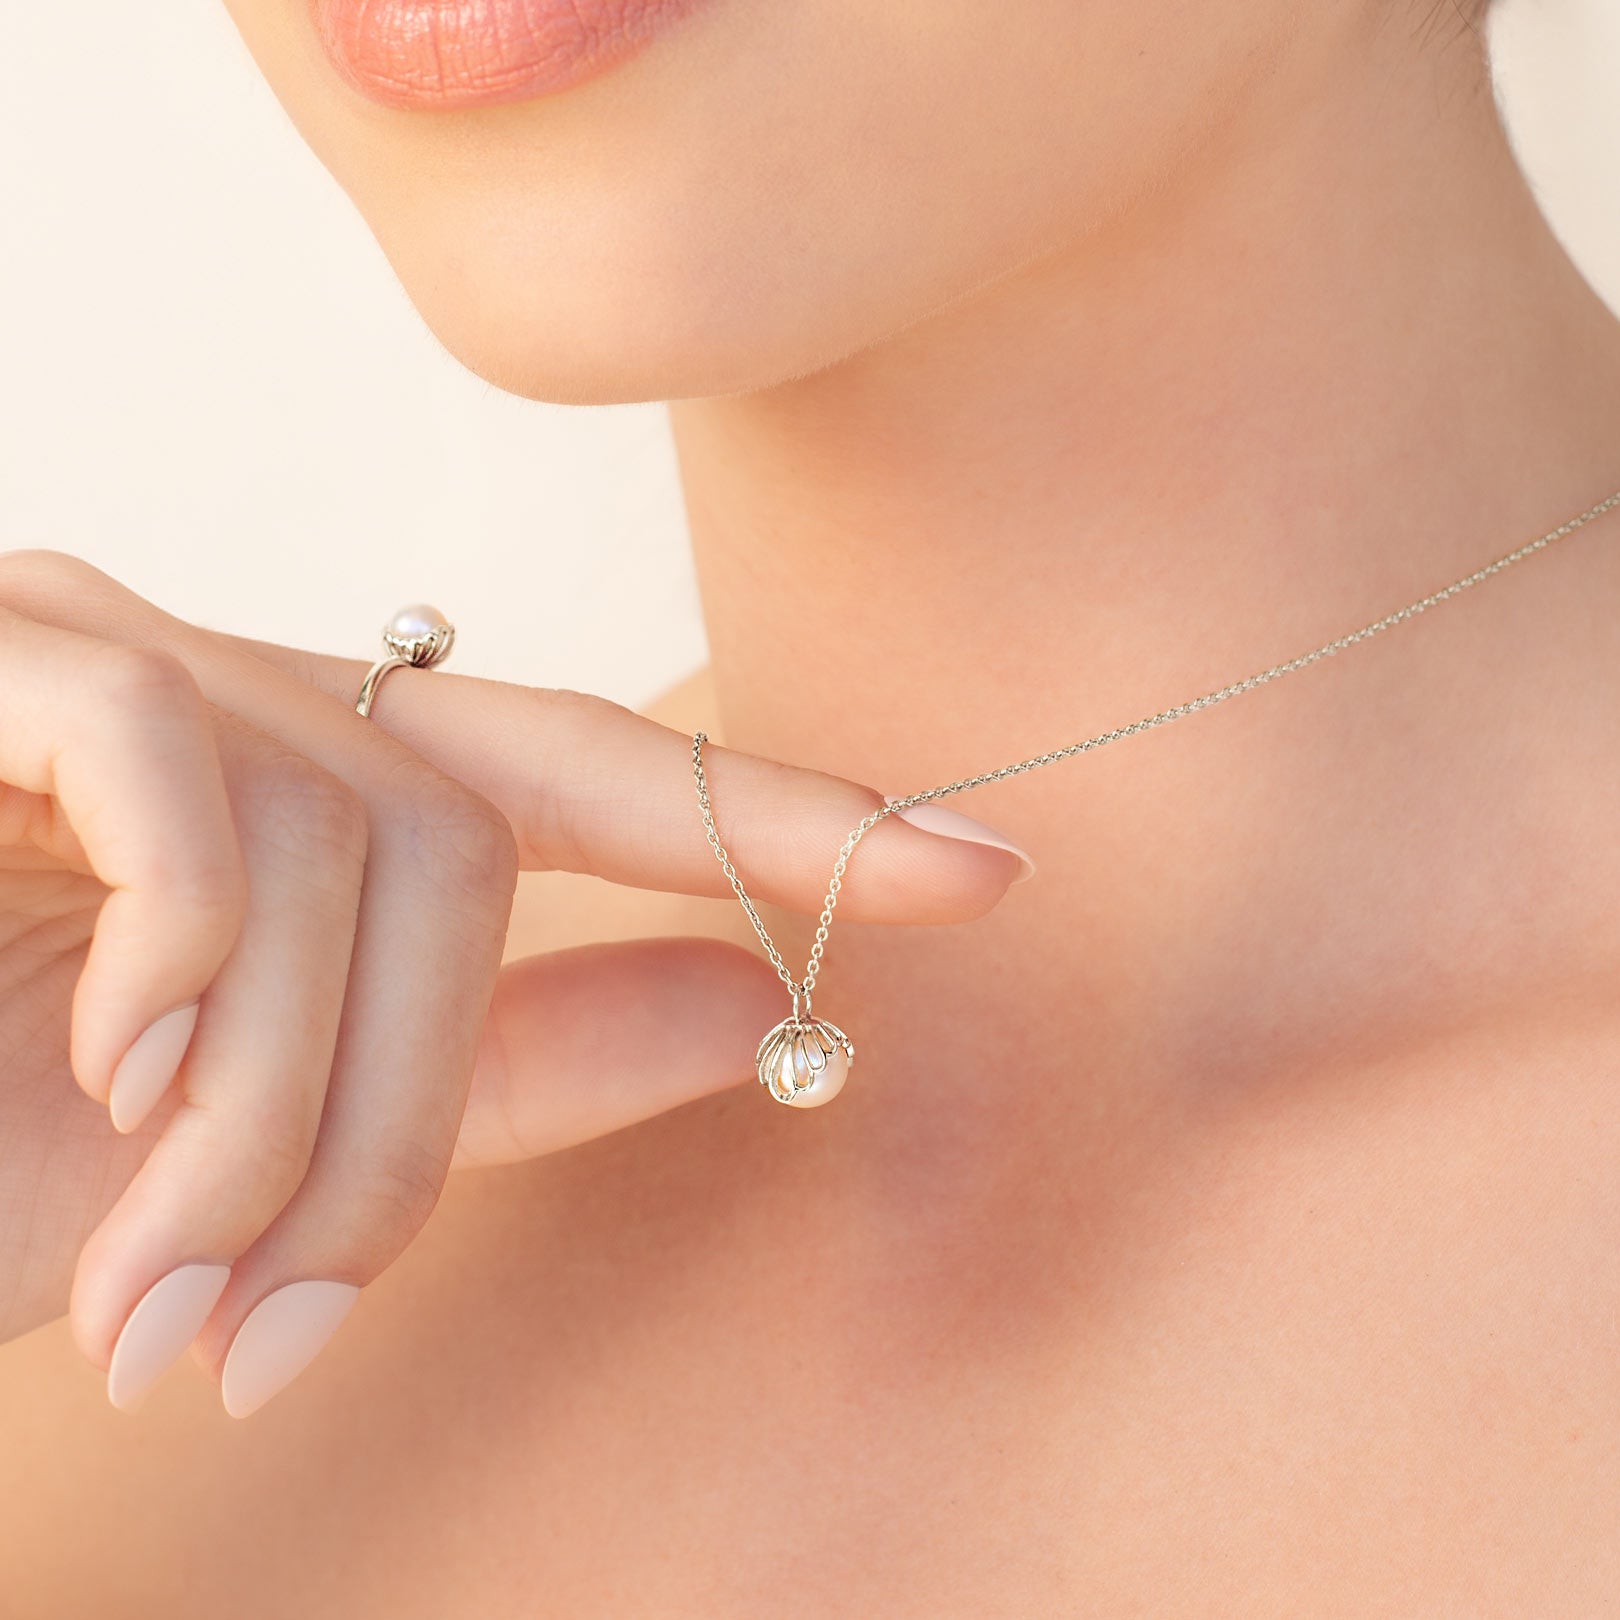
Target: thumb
[[583, 1041]]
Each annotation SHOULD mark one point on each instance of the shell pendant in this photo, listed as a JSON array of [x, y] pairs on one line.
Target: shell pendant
[[804, 1061]]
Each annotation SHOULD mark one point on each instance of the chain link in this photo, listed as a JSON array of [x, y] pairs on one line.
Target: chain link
[[801, 988]]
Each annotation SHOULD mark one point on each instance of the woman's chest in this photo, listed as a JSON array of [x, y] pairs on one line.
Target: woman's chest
[[1357, 1359], [1351, 1347]]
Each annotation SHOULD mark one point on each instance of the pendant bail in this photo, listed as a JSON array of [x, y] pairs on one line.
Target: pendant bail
[[801, 1003]]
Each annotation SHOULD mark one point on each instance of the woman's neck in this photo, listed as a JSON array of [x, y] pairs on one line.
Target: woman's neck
[[1336, 363]]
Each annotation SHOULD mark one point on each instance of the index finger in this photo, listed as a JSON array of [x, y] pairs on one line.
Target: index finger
[[591, 786]]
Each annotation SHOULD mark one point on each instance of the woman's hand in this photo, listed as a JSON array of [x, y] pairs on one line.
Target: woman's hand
[[265, 935]]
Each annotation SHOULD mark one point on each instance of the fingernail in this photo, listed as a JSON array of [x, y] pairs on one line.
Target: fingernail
[[148, 1068], [169, 1316], [284, 1333], [935, 818]]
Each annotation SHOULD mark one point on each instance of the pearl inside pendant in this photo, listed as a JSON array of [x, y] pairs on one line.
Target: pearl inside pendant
[[825, 1086], [805, 1061]]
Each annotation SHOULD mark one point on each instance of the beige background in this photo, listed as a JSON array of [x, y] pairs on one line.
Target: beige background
[[215, 389]]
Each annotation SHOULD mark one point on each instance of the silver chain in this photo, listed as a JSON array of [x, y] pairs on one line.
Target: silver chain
[[801, 988]]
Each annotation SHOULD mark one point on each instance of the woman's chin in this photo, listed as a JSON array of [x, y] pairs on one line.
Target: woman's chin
[[611, 362], [613, 339]]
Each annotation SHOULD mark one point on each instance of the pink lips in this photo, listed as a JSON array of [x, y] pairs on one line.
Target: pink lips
[[463, 53]]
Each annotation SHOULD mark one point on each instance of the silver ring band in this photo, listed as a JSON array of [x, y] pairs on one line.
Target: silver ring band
[[418, 636]]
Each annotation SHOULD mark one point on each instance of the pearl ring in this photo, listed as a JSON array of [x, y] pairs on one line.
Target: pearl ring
[[419, 636]]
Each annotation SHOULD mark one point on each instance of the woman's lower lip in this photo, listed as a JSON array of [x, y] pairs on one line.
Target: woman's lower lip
[[466, 53]]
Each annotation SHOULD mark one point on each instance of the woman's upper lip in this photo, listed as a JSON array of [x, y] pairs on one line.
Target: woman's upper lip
[[459, 53]]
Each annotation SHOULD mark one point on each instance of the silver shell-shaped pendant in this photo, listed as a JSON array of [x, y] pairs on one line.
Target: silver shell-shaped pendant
[[805, 1061]]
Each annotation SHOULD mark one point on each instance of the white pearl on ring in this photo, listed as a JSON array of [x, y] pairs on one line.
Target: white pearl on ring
[[415, 621], [420, 634]]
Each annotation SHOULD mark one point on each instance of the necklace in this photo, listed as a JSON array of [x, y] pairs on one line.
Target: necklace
[[804, 1060]]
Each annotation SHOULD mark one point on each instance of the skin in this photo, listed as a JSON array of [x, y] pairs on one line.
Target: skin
[[1224, 1221]]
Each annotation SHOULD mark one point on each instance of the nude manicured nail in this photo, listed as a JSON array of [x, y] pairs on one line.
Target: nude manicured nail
[[167, 1319], [284, 1333], [149, 1067], [935, 818]]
